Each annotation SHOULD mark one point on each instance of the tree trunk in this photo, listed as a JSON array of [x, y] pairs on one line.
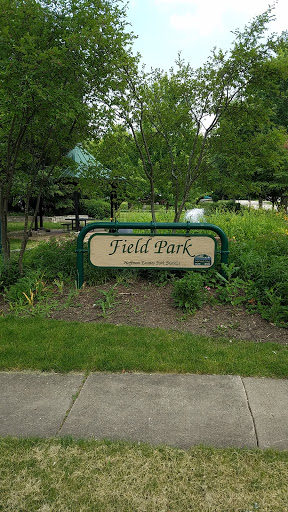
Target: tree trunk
[[5, 243], [113, 200], [283, 202], [187, 189], [176, 199], [180, 209], [27, 231], [41, 213], [152, 191]]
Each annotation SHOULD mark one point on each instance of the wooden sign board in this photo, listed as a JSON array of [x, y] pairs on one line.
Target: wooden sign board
[[152, 251]]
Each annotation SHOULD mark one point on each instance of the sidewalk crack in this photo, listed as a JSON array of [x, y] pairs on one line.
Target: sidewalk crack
[[251, 413], [74, 398]]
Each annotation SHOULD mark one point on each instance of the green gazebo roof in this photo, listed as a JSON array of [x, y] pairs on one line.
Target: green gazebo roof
[[84, 161]]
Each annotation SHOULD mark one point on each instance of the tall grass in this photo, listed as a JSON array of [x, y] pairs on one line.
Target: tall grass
[[258, 254], [248, 225], [240, 226], [15, 244], [145, 216]]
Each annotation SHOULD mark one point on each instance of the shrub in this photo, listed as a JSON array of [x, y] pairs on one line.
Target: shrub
[[31, 295], [26, 284], [189, 292], [9, 273], [57, 258], [160, 277], [96, 208], [222, 206], [123, 206], [262, 263], [53, 258]]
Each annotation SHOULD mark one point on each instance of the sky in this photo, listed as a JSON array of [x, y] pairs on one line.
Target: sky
[[194, 27]]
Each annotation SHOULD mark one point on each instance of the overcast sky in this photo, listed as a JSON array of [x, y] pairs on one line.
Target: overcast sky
[[193, 26]]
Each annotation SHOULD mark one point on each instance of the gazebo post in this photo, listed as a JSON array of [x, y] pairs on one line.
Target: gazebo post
[[41, 212], [113, 199], [76, 204], [36, 224]]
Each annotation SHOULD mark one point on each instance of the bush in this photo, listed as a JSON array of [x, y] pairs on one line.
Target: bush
[[53, 258], [189, 292], [9, 273], [123, 207], [262, 263], [223, 205], [26, 284], [96, 208]]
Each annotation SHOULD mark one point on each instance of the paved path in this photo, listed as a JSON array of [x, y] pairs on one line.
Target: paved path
[[171, 409]]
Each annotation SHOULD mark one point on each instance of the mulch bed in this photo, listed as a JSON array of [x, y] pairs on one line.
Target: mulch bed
[[144, 304]]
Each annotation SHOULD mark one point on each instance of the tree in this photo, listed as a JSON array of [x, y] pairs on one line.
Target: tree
[[59, 59], [276, 93], [184, 108], [116, 152], [248, 152]]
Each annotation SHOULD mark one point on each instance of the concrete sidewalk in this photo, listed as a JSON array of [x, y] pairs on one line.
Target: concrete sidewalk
[[171, 409]]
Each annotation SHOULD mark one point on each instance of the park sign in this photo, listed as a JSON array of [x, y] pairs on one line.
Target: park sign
[[152, 251], [148, 245]]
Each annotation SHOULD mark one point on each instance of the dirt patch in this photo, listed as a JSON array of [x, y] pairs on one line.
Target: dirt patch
[[144, 304]]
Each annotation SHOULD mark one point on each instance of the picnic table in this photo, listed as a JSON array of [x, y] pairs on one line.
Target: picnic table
[[70, 221]]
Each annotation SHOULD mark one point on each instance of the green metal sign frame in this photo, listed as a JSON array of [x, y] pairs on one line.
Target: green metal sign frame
[[152, 226]]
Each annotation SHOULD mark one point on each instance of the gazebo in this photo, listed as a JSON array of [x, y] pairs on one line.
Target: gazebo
[[84, 162]]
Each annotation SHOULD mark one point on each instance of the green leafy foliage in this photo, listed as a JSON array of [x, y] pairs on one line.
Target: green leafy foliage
[[31, 295], [248, 225], [52, 258], [256, 276], [262, 264], [189, 292], [172, 116], [222, 205], [9, 273], [231, 288], [96, 208], [58, 62], [248, 150], [108, 301]]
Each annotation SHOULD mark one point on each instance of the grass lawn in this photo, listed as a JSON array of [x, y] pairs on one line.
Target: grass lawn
[[19, 226], [52, 345], [84, 476]]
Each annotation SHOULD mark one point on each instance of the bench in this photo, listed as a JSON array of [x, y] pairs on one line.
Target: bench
[[66, 225]]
